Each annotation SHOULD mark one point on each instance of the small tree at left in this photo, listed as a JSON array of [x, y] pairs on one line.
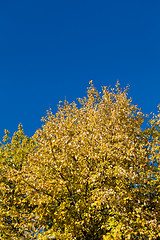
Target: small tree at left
[[15, 209]]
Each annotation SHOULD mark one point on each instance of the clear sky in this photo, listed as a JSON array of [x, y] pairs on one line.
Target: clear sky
[[51, 49]]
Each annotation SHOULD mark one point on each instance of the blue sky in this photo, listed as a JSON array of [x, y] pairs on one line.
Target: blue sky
[[51, 49]]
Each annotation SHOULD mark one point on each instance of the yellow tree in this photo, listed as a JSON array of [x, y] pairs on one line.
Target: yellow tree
[[15, 209], [90, 173], [93, 172]]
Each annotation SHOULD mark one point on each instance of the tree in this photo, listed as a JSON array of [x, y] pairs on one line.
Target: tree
[[15, 209], [92, 172]]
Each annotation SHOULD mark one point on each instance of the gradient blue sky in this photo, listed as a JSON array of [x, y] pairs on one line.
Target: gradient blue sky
[[51, 49]]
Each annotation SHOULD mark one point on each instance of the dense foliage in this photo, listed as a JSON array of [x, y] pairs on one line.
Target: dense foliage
[[90, 173]]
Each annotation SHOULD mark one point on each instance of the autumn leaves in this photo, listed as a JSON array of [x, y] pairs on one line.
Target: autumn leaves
[[87, 174]]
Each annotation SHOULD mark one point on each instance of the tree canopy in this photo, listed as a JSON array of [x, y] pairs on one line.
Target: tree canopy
[[92, 172]]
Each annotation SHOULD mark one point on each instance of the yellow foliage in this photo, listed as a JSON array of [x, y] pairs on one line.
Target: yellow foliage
[[88, 173]]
